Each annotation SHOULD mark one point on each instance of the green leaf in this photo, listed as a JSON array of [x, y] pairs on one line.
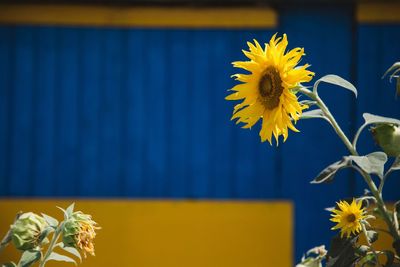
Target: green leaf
[[9, 264], [396, 246], [371, 163], [58, 257], [336, 80], [396, 213], [68, 212], [29, 257], [368, 260], [372, 236], [342, 252], [64, 211], [397, 206], [50, 220], [373, 119], [390, 258], [71, 250], [313, 114], [362, 250], [310, 262], [395, 67], [366, 200], [70, 209], [329, 172]]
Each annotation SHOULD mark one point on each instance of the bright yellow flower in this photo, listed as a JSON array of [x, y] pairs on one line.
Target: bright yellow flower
[[348, 217], [268, 91]]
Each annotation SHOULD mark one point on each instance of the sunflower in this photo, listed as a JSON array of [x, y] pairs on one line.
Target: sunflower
[[348, 217], [268, 91], [79, 232]]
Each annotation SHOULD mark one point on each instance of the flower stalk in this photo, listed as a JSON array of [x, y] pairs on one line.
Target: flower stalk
[[52, 244], [364, 230]]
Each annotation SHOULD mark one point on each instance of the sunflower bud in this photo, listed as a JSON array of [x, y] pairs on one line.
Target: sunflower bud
[[26, 231], [79, 232], [387, 136]]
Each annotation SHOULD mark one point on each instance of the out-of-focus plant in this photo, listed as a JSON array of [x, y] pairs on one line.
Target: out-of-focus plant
[[269, 93], [313, 257], [395, 70], [30, 234]]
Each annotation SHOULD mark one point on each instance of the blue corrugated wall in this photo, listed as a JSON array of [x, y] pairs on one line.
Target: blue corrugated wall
[[116, 112], [141, 113]]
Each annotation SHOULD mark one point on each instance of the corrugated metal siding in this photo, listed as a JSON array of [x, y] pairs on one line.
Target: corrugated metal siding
[[141, 113], [326, 36], [123, 112], [378, 49]]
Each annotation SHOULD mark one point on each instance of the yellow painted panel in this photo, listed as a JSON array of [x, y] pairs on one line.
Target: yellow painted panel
[[376, 13], [155, 17], [177, 233]]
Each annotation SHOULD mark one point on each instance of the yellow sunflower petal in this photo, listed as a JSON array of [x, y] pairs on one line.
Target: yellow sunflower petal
[[348, 217], [266, 93]]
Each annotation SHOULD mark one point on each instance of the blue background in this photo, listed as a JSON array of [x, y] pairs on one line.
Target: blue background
[[140, 113]]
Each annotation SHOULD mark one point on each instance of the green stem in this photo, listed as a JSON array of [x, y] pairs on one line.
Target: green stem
[[335, 125], [384, 180], [369, 244], [357, 135], [382, 208], [52, 245], [367, 178]]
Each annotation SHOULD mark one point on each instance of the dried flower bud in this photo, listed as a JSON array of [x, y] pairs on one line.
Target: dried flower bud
[[26, 231], [387, 136], [79, 232]]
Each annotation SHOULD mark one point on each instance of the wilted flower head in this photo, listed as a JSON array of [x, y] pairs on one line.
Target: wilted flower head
[[79, 232], [387, 136], [26, 231]]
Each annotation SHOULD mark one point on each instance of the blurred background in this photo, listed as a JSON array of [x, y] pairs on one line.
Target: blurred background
[[123, 102]]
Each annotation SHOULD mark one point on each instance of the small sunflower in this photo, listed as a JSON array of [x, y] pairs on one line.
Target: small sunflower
[[268, 91], [348, 217], [79, 232]]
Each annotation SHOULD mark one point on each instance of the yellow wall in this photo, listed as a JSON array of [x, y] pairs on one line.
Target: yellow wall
[[147, 17], [177, 233], [378, 13]]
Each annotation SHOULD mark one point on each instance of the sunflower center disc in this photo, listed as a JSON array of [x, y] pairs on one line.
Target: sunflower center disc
[[351, 218], [270, 88]]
